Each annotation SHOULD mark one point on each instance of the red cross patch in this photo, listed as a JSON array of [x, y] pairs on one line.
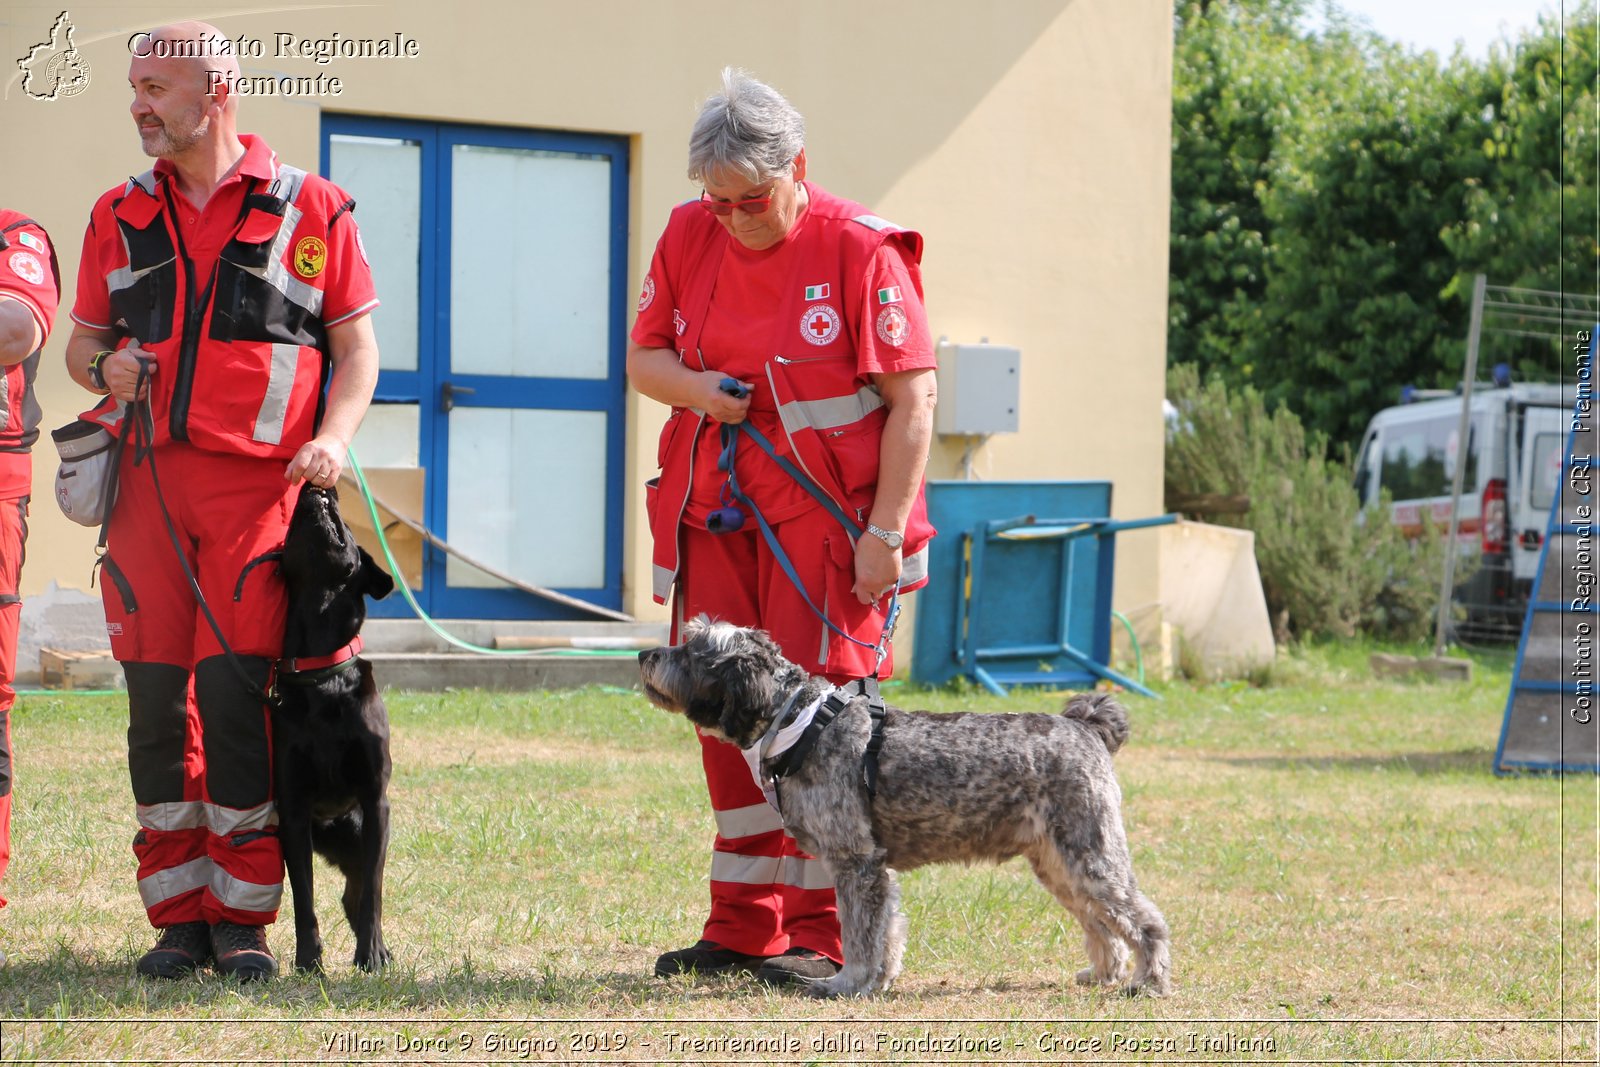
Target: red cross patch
[[819, 324], [892, 326]]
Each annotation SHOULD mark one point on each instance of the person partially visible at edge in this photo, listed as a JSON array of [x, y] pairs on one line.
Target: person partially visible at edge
[[229, 293], [30, 287], [814, 304]]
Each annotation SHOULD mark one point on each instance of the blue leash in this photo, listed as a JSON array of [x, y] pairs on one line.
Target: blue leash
[[727, 523]]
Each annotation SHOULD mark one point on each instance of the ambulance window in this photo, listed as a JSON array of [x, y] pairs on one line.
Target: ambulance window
[[1418, 460], [1546, 471]]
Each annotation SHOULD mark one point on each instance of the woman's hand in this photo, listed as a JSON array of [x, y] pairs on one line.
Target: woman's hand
[[877, 569], [719, 403]]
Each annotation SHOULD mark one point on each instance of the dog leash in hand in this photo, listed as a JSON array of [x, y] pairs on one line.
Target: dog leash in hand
[[730, 439]]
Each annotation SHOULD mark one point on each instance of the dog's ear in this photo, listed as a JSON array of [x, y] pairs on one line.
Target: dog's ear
[[749, 688], [374, 580]]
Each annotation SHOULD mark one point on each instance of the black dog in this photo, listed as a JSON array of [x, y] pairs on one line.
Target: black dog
[[330, 730]]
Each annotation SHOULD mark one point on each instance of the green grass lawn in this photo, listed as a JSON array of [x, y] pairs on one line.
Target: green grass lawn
[[1344, 877]]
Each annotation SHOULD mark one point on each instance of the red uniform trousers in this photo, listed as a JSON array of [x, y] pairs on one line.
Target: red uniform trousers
[[768, 896], [199, 744], [13, 537]]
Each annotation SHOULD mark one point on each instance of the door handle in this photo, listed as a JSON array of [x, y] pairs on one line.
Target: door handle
[[448, 392]]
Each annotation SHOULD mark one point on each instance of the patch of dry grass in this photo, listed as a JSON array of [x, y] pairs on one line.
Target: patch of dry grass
[[1344, 878]]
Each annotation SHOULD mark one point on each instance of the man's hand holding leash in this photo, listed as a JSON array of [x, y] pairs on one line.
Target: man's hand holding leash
[[120, 371]]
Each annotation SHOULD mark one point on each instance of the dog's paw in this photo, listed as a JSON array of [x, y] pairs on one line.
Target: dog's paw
[[833, 989], [373, 961], [308, 963], [1145, 989], [1089, 977]]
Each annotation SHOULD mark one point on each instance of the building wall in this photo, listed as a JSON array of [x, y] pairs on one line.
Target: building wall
[[1028, 141]]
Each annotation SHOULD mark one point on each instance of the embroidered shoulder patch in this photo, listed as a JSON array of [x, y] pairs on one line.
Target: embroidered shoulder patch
[[310, 256]]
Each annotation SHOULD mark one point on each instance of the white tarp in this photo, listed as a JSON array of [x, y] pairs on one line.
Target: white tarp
[[1211, 596]]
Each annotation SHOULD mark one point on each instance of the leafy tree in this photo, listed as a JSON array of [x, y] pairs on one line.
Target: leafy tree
[[1333, 195], [1531, 223]]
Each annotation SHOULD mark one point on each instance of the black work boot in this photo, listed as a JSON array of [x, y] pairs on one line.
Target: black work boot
[[242, 951], [182, 948], [705, 957]]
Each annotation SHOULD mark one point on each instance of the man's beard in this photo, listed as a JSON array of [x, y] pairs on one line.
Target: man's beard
[[169, 140]]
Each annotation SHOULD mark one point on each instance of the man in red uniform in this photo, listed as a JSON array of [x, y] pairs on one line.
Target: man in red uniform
[[29, 289], [815, 304], [238, 284]]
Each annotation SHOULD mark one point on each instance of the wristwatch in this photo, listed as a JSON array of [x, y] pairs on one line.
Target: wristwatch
[[892, 538], [97, 376]]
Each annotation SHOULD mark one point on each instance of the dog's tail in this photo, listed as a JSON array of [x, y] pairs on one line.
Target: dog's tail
[[1101, 713]]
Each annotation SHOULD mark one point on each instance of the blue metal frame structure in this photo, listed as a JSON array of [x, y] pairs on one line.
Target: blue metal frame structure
[[984, 663], [422, 386], [1020, 600], [1565, 686]]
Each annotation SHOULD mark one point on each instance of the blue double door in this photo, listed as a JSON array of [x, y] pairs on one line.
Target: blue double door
[[500, 258]]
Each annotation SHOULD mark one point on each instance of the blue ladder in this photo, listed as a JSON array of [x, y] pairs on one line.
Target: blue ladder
[[1550, 717]]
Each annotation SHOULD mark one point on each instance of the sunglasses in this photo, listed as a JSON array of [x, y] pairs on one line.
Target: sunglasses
[[756, 205]]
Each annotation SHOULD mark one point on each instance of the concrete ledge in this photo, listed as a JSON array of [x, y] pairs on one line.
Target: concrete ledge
[[439, 671], [412, 635]]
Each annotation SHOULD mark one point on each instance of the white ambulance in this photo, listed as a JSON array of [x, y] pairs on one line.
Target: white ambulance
[[1517, 438]]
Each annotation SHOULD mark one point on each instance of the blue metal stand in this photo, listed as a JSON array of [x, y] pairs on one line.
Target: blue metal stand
[[983, 661]]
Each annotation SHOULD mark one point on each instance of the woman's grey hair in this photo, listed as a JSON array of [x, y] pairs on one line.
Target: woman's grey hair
[[747, 129]]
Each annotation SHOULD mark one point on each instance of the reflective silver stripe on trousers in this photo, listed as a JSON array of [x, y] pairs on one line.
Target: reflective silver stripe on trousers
[[246, 896], [745, 870], [177, 815], [830, 412], [806, 874], [175, 881], [193, 815], [280, 384], [747, 822], [225, 821]]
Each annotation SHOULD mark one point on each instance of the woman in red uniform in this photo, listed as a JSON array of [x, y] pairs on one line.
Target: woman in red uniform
[[814, 305]]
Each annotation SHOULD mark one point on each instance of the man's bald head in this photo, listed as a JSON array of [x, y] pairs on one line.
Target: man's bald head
[[192, 52]]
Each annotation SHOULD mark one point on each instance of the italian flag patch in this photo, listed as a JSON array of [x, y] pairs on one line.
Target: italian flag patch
[[890, 295], [817, 292]]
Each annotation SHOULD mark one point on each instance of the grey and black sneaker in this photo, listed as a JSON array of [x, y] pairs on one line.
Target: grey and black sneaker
[[181, 949], [705, 957], [241, 951], [797, 966]]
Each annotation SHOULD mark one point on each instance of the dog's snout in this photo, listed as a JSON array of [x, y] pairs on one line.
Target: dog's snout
[[648, 656]]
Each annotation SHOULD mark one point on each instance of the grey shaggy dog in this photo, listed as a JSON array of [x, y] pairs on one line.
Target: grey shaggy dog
[[959, 788]]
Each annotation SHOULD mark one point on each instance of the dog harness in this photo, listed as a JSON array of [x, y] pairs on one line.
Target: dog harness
[[309, 670], [793, 741]]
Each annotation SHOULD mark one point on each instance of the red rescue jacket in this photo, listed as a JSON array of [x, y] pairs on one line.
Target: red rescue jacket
[[241, 354], [829, 419]]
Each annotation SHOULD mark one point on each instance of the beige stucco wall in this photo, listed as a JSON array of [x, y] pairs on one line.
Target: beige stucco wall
[[1028, 140]]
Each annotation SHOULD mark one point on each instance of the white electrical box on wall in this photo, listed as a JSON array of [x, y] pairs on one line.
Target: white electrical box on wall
[[979, 389]]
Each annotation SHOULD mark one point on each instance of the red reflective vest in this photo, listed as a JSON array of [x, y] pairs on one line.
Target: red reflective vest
[[241, 354], [37, 283], [828, 419]]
